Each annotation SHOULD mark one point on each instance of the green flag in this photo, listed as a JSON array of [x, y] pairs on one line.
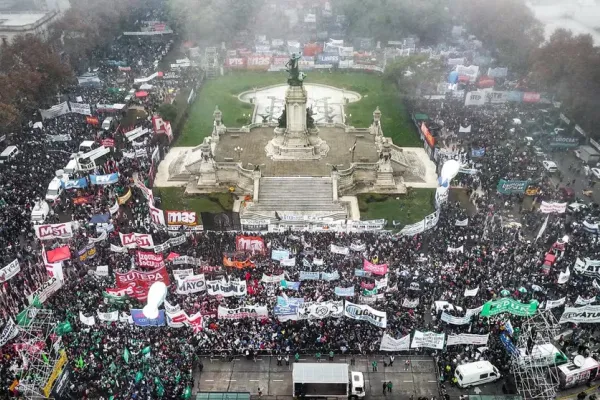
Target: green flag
[[160, 390], [146, 350], [369, 292], [139, 376], [23, 318], [283, 283], [80, 363], [126, 355], [36, 302], [63, 328], [187, 394], [45, 357], [510, 306], [112, 367]]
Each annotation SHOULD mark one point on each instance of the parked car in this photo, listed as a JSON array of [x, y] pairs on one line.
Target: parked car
[[550, 166], [596, 172]]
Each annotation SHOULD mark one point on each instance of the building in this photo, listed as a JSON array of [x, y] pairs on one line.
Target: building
[[33, 17]]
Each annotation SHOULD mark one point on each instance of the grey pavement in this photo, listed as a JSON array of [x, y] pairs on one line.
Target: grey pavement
[[241, 375]]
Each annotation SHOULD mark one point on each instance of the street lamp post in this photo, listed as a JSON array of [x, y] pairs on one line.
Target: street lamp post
[[238, 150]]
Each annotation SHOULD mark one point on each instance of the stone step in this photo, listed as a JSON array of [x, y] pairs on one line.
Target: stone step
[[296, 194]]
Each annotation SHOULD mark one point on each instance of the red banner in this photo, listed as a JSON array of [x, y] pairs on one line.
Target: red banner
[[108, 143], [531, 97], [252, 244], [428, 136], [380, 269], [83, 200], [312, 49], [149, 259], [59, 254], [141, 281], [92, 120], [235, 62], [258, 62]]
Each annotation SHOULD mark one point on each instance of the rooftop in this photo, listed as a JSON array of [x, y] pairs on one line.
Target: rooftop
[[20, 19]]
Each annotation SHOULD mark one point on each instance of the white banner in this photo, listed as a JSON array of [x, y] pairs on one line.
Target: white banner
[[227, 289], [171, 309], [466, 338], [559, 208], [475, 99], [388, 343], [114, 208], [118, 249], [588, 267], [10, 271], [320, 310], [112, 316], [272, 278], [460, 249], [55, 111], [80, 108], [54, 231], [563, 277], [358, 247], [582, 302], [586, 314], [101, 270], [339, 250], [182, 273], [365, 313], [133, 240], [471, 292], [464, 222], [455, 320], [89, 321], [550, 304], [473, 311], [50, 287], [259, 312], [191, 284], [410, 303], [430, 340], [9, 332], [288, 262]]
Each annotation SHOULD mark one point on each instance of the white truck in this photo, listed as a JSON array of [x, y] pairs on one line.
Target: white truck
[[588, 155], [327, 380]]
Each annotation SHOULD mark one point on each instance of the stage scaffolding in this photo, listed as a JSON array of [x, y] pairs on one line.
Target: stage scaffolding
[[40, 351], [535, 379]]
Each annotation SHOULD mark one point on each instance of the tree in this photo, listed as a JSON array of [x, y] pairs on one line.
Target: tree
[[168, 112], [568, 66], [414, 72]]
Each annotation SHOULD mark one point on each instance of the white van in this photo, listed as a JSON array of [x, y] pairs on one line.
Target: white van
[[54, 189], [357, 385], [87, 146], [476, 373], [578, 372], [40, 212], [107, 123], [8, 154], [71, 168]]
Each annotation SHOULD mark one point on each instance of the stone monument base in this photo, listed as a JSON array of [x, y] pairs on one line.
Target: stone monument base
[[296, 147]]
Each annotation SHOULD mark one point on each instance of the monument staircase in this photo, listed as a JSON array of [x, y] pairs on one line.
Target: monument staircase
[[295, 196]]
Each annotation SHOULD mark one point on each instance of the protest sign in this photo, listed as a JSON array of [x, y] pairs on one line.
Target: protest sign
[[430, 340], [586, 314], [320, 310], [455, 320], [465, 338], [375, 269], [190, 284], [388, 343], [10, 270], [226, 289], [510, 306], [365, 313], [259, 312]]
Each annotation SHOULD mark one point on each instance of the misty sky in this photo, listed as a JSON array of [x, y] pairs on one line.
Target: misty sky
[[580, 16]]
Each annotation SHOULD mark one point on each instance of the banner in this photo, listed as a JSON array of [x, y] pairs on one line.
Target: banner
[[272, 278], [55, 111], [510, 306], [320, 310], [104, 179], [289, 262], [309, 276], [80, 183], [471, 293], [586, 314], [410, 303], [430, 340], [259, 312], [365, 313], [54, 231], [80, 108], [10, 331], [190, 284], [475, 99], [388, 343], [563, 277], [287, 312], [510, 187], [149, 259], [582, 302], [89, 321], [227, 289], [50, 287], [58, 138], [466, 338], [253, 244], [141, 281], [133, 240], [449, 319], [228, 262], [380, 269], [140, 319], [56, 371], [88, 252], [290, 285], [344, 292], [464, 222], [358, 247], [101, 270], [187, 218], [112, 316], [279, 255], [10, 271], [559, 208], [460, 249], [330, 276], [550, 304], [339, 250]]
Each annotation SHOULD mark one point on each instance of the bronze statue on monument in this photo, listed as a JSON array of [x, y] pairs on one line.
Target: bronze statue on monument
[[296, 76]]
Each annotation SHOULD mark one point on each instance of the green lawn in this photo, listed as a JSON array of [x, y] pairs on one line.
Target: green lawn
[[224, 90], [406, 209], [174, 198]]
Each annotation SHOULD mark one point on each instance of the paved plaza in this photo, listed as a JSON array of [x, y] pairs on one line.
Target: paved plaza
[[241, 375], [339, 142]]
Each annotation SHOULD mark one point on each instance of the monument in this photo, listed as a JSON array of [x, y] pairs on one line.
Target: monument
[[296, 136]]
